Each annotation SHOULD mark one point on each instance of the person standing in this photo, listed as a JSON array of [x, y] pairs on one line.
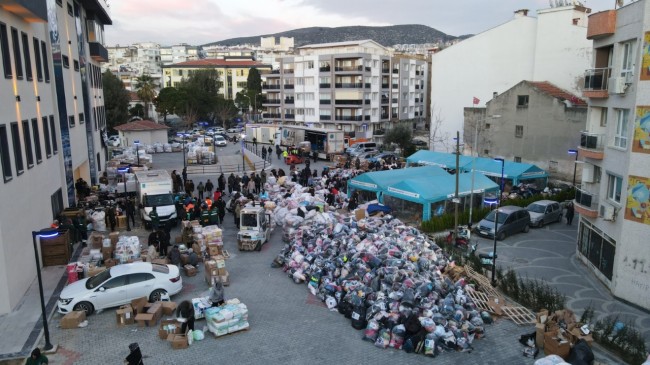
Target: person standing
[[130, 211], [155, 219], [231, 183], [262, 178], [36, 358], [186, 185], [570, 211], [191, 187], [200, 189], [258, 183], [209, 186], [278, 151], [221, 209], [251, 186], [221, 181], [110, 215], [214, 215], [184, 175], [81, 225], [269, 153], [263, 153], [237, 213]]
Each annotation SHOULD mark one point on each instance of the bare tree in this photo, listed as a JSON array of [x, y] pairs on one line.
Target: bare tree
[[437, 137], [476, 131]]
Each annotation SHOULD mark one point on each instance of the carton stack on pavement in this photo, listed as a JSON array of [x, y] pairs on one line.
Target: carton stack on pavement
[[558, 331], [229, 318]]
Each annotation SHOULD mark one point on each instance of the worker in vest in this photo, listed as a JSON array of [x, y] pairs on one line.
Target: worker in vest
[[155, 219], [189, 209], [285, 154], [214, 215], [208, 202], [205, 217]]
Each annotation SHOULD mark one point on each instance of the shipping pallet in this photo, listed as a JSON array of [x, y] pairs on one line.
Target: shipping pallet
[[486, 303], [482, 281], [232, 333], [519, 315]]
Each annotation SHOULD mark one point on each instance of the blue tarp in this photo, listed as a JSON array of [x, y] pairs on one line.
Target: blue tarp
[[440, 188], [378, 180], [440, 159]]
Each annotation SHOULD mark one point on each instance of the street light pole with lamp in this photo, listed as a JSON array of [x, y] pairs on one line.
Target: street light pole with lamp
[[575, 165], [243, 159], [496, 220], [44, 233], [123, 170], [475, 150]]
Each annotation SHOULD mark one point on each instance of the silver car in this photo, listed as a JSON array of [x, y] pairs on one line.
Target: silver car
[[543, 212]]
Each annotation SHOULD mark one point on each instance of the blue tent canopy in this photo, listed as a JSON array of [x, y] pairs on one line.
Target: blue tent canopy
[[379, 180], [515, 171], [444, 160], [440, 188]]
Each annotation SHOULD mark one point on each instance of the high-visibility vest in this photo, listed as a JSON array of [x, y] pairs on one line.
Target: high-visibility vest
[[208, 201], [285, 154]]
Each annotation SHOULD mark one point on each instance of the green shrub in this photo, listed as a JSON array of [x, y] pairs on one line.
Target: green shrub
[[534, 294], [627, 341]]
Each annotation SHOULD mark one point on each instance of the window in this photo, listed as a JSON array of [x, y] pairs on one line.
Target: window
[[627, 64], [82, 118], [18, 149], [37, 141], [28, 58], [46, 137], [603, 117], [522, 101], [486, 152], [115, 282], [140, 277], [46, 67], [28, 145], [55, 146], [487, 126], [69, 9], [37, 58], [71, 121], [4, 45], [56, 200], [614, 187], [620, 138], [75, 63], [99, 162], [517, 159], [519, 131], [4, 154], [18, 61], [66, 61], [310, 65], [59, 3]]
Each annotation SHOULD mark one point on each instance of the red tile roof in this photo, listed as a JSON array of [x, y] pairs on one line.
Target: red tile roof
[[554, 91], [140, 125], [217, 62]]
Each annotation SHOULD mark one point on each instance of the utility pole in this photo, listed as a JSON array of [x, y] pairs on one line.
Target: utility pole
[[456, 199]]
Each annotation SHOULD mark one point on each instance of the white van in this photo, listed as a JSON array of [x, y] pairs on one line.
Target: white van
[[361, 147]]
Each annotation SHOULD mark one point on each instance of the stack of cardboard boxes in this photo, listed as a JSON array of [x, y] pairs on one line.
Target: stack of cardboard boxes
[[145, 313], [72, 319], [557, 331], [215, 270]]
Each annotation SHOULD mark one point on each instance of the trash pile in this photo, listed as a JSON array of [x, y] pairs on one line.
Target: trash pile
[[229, 318], [386, 277], [127, 248]]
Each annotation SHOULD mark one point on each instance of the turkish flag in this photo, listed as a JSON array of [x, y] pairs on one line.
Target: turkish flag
[[475, 101]]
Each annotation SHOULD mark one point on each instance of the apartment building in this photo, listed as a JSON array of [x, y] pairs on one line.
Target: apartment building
[[132, 61], [53, 115], [613, 200], [351, 86], [550, 47], [233, 73], [179, 53]]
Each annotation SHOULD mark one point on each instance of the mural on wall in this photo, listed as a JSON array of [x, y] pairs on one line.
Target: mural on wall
[[645, 60], [637, 208], [641, 141]]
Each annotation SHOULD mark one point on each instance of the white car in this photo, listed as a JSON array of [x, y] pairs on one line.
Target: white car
[[233, 130], [220, 141], [114, 141], [219, 130], [119, 285]]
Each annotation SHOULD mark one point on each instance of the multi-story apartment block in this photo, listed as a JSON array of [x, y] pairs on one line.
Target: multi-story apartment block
[[50, 129], [232, 72], [130, 62], [352, 86], [551, 47], [178, 53], [613, 200]]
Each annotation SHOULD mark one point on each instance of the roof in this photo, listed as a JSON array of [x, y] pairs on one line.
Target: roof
[[554, 91], [441, 159], [378, 180], [140, 125], [130, 268], [339, 44], [217, 62], [439, 188]]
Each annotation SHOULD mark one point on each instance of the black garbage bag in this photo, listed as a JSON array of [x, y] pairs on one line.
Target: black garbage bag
[[581, 354], [359, 316], [527, 339]]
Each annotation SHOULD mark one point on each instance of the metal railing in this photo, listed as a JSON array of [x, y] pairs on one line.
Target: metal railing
[[592, 141], [586, 199], [271, 87], [325, 85], [348, 68], [596, 79], [347, 102], [347, 85], [356, 118]]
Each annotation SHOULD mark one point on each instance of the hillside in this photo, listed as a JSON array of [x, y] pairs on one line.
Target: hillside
[[387, 36]]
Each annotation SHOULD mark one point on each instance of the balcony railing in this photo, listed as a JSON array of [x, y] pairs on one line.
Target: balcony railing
[[417, 87], [289, 100], [366, 101], [395, 86], [417, 100], [385, 116], [325, 69], [378, 132], [325, 117], [367, 85], [272, 101], [385, 70], [288, 86], [385, 86], [271, 115], [290, 116], [592, 145], [394, 100], [271, 87], [354, 118], [98, 52], [287, 71], [348, 68], [275, 71], [348, 85], [385, 100], [366, 117], [395, 70], [348, 102], [325, 101], [586, 203], [325, 86], [596, 82]]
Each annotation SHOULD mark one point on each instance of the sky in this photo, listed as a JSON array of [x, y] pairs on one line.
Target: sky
[[196, 22]]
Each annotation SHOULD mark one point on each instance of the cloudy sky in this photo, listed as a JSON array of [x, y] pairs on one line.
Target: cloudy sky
[[202, 21]]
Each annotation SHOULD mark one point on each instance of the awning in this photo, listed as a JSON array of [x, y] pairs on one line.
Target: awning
[[515, 171], [440, 159], [379, 180], [439, 188]]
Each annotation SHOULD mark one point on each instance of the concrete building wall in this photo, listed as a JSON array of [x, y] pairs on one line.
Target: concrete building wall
[[145, 137]]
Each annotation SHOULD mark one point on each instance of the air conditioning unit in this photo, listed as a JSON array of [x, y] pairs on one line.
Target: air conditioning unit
[[607, 212], [617, 85], [629, 77]]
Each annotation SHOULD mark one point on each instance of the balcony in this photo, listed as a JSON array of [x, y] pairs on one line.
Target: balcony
[[592, 145], [378, 132], [368, 68], [366, 117], [395, 70], [325, 117], [288, 100], [385, 100], [417, 87], [394, 100], [272, 101], [367, 85], [287, 71], [271, 115], [288, 86], [417, 100], [277, 72], [601, 24], [385, 70], [395, 86], [98, 52], [586, 203], [348, 102], [385, 86], [290, 116], [270, 87], [596, 83], [348, 68], [347, 118], [30, 11], [385, 116], [325, 101], [325, 86], [348, 85], [366, 101], [325, 69]]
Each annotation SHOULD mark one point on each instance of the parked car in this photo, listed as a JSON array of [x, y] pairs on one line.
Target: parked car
[[419, 144], [119, 285], [358, 151], [510, 220], [220, 141], [367, 155], [543, 212], [218, 130], [386, 156], [234, 130]]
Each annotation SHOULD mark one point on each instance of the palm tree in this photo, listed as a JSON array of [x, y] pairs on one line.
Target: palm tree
[[146, 92]]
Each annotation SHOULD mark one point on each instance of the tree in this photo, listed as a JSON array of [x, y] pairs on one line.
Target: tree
[[224, 110], [167, 101], [146, 90], [400, 134], [254, 89], [242, 101], [198, 95], [116, 101], [437, 138]]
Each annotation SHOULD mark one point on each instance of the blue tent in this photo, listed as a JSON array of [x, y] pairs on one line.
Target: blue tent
[[444, 160], [378, 180], [515, 171]]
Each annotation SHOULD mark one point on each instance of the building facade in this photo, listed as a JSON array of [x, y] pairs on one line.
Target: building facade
[[351, 86], [533, 122], [552, 47], [233, 73], [613, 200], [130, 62], [50, 131], [179, 53]]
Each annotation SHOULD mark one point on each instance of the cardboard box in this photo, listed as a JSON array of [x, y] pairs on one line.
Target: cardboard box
[[185, 259], [178, 240], [220, 262], [163, 261], [107, 253], [495, 303], [222, 271], [178, 341], [190, 270], [542, 316], [138, 305], [359, 214], [555, 345], [124, 315], [539, 335], [121, 221], [73, 319], [156, 309], [214, 250], [575, 334], [95, 240], [145, 319], [168, 308], [94, 270], [114, 237], [110, 263], [167, 327], [196, 248], [225, 279]]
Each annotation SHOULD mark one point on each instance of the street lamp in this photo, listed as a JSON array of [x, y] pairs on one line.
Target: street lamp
[[137, 151], [243, 163], [475, 150], [123, 170], [575, 165], [494, 201], [44, 233]]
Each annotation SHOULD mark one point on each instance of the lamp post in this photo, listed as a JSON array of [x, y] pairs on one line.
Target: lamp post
[[575, 165], [243, 162], [496, 220], [137, 152], [126, 196], [456, 199], [44, 233], [475, 150]]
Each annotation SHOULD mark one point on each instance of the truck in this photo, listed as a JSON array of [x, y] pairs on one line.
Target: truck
[[323, 144], [154, 189], [254, 227], [264, 133]]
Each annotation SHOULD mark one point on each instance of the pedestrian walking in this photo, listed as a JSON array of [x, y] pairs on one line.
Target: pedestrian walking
[[110, 215], [184, 174], [278, 151], [237, 213], [221, 208], [263, 153], [269, 152], [200, 189], [155, 219], [570, 211], [231, 183], [221, 181], [209, 186], [130, 211], [191, 187]]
